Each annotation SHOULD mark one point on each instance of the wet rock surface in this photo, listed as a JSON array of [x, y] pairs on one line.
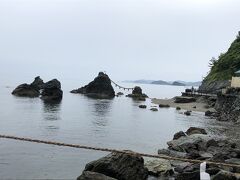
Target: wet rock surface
[[121, 166], [100, 87]]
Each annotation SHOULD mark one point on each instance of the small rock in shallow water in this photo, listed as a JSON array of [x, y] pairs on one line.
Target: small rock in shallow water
[[154, 109], [142, 106], [164, 106], [178, 108], [187, 113]]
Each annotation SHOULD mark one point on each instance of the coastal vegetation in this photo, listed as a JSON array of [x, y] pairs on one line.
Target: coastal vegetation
[[226, 65]]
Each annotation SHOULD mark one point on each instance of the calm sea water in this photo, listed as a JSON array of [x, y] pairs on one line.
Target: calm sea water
[[117, 123]]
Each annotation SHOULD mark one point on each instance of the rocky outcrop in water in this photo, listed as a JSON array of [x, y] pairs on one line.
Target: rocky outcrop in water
[[100, 87], [26, 90], [37, 83], [29, 90], [137, 94], [52, 91], [120, 166]]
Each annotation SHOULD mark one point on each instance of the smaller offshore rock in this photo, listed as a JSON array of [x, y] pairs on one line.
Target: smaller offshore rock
[[52, 91], [137, 94]]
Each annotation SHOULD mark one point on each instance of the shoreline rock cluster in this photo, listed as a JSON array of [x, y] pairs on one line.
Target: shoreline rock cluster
[[100, 87], [195, 143], [49, 91]]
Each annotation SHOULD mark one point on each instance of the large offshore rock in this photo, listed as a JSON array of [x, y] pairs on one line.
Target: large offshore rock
[[87, 175], [121, 166], [100, 87], [52, 91], [26, 90]]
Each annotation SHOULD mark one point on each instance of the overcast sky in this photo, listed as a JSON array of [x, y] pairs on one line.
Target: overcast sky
[[129, 39]]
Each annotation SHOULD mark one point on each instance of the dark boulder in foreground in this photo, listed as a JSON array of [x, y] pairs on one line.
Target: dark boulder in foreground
[[120, 166], [26, 90], [137, 94], [87, 175], [52, 91], [29, 90], [100, 87]]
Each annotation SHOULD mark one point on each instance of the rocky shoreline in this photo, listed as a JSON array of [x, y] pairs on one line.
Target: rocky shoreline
[[195, 143]]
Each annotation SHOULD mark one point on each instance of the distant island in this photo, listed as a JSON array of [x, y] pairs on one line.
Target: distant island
[[170, 83]]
